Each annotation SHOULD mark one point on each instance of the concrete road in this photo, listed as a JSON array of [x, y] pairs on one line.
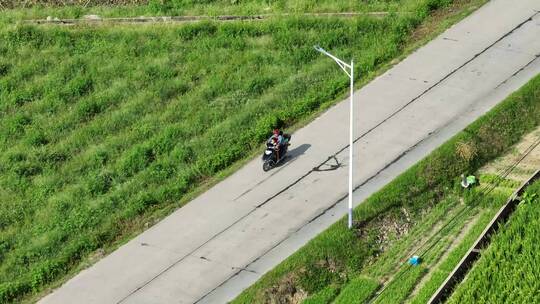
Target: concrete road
[[224, 240]]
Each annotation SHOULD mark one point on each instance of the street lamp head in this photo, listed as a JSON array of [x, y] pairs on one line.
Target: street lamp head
[[319, 49], [344, 66]]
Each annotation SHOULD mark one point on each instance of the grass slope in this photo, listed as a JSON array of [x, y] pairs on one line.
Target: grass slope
[[103, 129], [423, 198], [508, 270]]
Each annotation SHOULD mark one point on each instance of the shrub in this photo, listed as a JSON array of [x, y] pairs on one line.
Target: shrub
[[100, 183], [10, 291], [136, 160], [4, 68], [316, 277]]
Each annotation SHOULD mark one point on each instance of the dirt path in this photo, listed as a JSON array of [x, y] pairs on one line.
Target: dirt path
[[457, 239], [526, 167], [95, 19]]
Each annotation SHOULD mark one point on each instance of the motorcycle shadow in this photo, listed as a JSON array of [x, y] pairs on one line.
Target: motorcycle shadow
[[293, 154]]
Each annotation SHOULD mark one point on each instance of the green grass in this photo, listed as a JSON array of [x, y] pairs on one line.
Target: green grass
[[358, 290], [398, 292], [508, 270], [323, 296], [106, 129], [338, 255]]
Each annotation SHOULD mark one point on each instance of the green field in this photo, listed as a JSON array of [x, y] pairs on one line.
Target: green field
[[105, 130], [508, 271], [422, 212]]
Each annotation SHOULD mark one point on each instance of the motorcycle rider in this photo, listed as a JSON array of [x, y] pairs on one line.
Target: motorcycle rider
[[276, 140], [276, 149], [279, 140], [276, 136]]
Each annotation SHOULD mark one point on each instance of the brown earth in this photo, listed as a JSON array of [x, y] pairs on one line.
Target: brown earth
[[286, 291], [526, 167]]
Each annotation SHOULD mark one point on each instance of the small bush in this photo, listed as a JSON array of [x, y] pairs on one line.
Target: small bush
[[44, 273], [193, 31], [27, 169], [4, 68], [100, 183], [322, 297], [36, 138], [136, 160], [317, 277], [78, 86], [87, 109], [10, 291]]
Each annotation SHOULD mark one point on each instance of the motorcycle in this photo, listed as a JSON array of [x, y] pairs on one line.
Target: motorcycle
[[270, 155]]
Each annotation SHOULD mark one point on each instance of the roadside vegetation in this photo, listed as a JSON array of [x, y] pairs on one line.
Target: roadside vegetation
[[105, 130], [423, 212], [507, 271]]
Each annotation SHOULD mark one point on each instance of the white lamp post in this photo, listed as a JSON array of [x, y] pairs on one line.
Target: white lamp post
[[349, 70]]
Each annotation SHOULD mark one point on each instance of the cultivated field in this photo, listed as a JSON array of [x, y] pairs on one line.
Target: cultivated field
[[508, 270], [104, 130]]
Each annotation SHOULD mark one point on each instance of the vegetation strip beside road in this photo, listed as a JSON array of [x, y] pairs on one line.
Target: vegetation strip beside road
[[104, 131], [393, 223]]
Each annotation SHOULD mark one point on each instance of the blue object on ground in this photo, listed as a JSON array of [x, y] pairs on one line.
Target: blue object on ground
[[414, 260]]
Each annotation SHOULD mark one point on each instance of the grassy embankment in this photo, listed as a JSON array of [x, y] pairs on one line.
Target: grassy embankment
[[104, 130], [508, 270], [424, 211]]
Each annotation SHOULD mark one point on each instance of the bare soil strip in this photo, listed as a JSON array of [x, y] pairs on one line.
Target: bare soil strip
[[95, 19]]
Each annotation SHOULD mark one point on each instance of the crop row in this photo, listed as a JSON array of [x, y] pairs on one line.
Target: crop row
[[508, 270]]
